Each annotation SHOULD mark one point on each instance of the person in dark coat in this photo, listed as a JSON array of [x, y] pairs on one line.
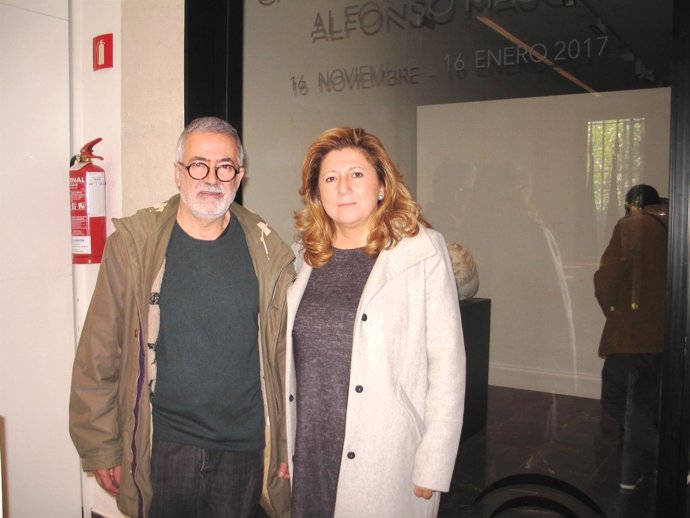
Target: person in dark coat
[[630, 286]]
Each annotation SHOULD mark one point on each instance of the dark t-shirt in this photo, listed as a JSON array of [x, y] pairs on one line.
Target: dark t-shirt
[[208, 391]]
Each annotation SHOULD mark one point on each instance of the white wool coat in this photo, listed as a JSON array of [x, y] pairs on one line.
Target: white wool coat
[[407, 383]]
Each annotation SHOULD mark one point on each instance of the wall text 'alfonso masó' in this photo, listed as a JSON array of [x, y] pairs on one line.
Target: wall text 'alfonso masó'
[[371, 18]]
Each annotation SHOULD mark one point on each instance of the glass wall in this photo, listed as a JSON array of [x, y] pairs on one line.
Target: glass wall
[[525, 129]]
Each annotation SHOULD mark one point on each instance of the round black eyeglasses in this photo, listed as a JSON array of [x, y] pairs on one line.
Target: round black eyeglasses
[[225, 172]]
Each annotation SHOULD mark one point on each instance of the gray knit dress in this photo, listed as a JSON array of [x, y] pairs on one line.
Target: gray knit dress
[[322, 338]]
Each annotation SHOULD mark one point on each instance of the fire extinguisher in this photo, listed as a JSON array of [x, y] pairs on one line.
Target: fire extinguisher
[[87, 198]]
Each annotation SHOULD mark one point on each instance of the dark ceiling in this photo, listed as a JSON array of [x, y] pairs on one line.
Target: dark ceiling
[[637, 32]]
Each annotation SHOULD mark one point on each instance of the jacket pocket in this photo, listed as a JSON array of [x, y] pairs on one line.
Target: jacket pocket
[[411, 411]]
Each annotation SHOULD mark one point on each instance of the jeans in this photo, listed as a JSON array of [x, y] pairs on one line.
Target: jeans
[[192, 482], [630, 392]]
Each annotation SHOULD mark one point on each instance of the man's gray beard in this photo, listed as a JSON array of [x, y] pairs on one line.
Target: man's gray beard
[[201, 213]]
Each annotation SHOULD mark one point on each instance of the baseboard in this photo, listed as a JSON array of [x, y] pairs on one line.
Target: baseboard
[[544, 380]]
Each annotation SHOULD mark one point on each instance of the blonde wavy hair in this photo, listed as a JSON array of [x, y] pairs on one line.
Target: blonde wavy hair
[[396, 216]]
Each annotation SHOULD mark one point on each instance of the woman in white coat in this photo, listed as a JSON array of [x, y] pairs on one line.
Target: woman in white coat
[[375, 366]]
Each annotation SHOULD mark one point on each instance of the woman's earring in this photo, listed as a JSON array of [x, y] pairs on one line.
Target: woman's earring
[[380, 197]]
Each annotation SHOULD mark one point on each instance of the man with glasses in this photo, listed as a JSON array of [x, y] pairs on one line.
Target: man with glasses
[[176, 402]]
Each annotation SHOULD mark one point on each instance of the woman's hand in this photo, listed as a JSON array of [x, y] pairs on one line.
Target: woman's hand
[[283, 471], [423, 492]]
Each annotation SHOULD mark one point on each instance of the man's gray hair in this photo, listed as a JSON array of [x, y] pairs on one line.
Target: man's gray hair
[[210, 125]]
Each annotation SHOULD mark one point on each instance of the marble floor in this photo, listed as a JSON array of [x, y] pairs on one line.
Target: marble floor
[[544, 455]]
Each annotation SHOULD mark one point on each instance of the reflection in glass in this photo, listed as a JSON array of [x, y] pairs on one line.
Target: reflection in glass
[[514, 162], [529, 185], [630, 286]]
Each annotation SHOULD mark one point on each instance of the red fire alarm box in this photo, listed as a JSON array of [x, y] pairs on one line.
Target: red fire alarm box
[[103, 51]]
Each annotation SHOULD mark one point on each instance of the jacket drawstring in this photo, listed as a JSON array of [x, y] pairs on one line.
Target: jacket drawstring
[[265, 231]]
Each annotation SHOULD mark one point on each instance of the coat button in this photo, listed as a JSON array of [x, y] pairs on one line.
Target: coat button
[[359, 388], [292, 398], [350, 454], [364, 317]]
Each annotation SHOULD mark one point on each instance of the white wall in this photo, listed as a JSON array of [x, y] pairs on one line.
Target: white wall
[[152, 99], [137, 107], [51, 103], [36, 327]]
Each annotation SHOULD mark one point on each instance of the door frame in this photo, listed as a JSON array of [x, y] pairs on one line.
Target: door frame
[[672, 461]]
